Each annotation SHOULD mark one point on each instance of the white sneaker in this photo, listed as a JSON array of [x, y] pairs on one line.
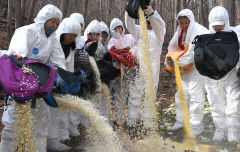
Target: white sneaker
[[74, 132], [54, 144], [219, 135], [176, 126]]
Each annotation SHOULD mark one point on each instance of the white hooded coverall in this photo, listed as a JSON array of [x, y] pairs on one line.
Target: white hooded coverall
[[95, 27], [224, 94], [156, 38], [97, 98], [60, 122], [120, 42], [80, 40], [75, 117], [30, 41], [192, 81]]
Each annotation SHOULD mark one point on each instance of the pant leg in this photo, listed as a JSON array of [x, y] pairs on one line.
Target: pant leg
[[74, 119], [216, 95], [99, 102], [63, 123], [232, 109], [197, 95], [136, 103], [8, 143], [117, 99], [179, 117], [40, 126]]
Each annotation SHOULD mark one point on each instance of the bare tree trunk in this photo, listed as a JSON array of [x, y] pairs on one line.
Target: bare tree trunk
[[183, 4], [231, 7], [10, 32], [85, 8], [238, 12], [23, 7], [177, 10], [19, 19], [154, 4], [64, 7], [110, 7], [178, 6], [101, 14], [203, 14], [160, 7], [232, 11], [31, 10]]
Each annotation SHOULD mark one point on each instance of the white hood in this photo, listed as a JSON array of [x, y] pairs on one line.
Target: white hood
[[189, 14], [78, 17], [68, 26], [105, 28], [115, 23], [219, 13], [48, 12], [93, 27]]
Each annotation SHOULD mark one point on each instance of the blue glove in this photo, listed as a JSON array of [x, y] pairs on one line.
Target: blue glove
[[75, 87], [60, 86], [49, 100]]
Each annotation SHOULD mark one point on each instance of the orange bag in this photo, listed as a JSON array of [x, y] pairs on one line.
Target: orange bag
[[175, 55]]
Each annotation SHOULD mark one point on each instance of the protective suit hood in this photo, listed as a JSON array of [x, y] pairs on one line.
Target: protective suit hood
[[68, 25], [78, 17], [93, 27], [217, 14], [115, 23], [105, 28], [189, 14], [48, 12]]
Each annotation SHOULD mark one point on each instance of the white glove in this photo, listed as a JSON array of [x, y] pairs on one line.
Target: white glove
[[149, 11]]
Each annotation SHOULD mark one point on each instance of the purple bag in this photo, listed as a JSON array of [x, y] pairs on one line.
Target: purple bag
[[22, 85]]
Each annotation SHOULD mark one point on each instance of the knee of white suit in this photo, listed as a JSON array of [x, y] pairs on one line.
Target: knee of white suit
[[220, 122], [8, 142], [233, 128], [40, 126], [74, 119]]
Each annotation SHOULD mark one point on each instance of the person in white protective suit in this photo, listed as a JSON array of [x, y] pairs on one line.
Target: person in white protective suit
[[105, 36], [36, 41], [192, 81], [75, 117], [92, 34], [58, 131], [93, 31], [80, 40], [224, 94], [120, 40], [156, 32]]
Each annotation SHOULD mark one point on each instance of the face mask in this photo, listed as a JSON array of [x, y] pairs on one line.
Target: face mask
[[48, 30], [116, 35]]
